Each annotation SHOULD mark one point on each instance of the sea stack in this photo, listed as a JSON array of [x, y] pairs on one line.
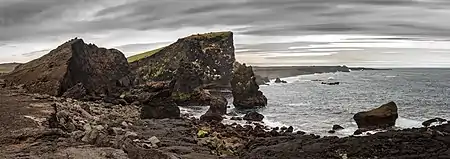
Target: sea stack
[[245, 90], [76, 69]]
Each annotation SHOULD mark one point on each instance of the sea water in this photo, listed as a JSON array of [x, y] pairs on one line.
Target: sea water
[[310, 106]]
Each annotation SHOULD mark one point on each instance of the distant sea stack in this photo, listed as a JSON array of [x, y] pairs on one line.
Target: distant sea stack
[[212, 54], [75, 69]]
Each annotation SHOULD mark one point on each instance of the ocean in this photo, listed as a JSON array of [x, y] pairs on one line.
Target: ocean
[[312, 107]]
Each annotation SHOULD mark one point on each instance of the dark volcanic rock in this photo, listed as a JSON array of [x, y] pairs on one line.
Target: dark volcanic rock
[[337, 127], [75, 64], [253, 116], [211, 54], [210, 115], [431, 121], [411, 143], [246, 94], [278, 80], [382, 117], [160, 105], [331, 83]]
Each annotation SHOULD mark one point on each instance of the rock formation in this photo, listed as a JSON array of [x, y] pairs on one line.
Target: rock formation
[[212, 54], [246, 94], [434, 120], [75, 69], [382, 117], [159, 106], [278, 80], [253, 116]]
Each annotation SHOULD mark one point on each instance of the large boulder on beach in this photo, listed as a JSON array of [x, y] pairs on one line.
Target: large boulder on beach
[[160, 105], [379, 118], [245, 90], [210, 54], [77, 67]]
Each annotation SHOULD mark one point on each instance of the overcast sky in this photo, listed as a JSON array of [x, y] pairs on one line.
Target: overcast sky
[[390, 33]]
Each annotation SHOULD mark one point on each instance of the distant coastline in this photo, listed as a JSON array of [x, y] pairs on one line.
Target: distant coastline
[[289, 71]]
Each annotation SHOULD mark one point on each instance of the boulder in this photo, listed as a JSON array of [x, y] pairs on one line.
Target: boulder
[[379, 118], [337, 127], [331, 83], [74, 69], [245, 90], [210, 116], [253, 116], [210, 54], [434, 120], [159, 106], [278, 80]]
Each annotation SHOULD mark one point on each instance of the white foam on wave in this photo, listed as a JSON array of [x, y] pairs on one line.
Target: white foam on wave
[[407, 123]]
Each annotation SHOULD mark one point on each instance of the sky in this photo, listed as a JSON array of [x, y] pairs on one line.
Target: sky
[[371, 33]]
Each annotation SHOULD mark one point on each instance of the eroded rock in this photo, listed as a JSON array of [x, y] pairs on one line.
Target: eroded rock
[[245, 90], [379, 118], [253, 116], [99, 70]]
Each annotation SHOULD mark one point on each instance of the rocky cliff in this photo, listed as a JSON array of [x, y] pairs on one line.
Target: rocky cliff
[[75, 69], [211, 53]]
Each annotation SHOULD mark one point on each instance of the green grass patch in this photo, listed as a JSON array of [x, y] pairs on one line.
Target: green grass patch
[[221, 35], [143, 55]]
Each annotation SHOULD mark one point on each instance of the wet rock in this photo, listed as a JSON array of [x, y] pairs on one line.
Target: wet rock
[[99, 70], [331, 131], [159, 106], [211, 116], [337, 127], [290, 129], [278, 80], [245, 90], [359, 131], [211, 53], [253, 116], [283, 128], [434, 120], [379, 118], [330, 83]]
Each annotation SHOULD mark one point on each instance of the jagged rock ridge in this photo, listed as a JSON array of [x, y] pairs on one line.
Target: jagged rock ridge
[[92, 70]]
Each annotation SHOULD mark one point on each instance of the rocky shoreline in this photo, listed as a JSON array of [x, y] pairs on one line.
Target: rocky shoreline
[[55, 127], [84, 101]]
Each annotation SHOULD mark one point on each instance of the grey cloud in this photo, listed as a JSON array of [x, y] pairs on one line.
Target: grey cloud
[[29, 19]]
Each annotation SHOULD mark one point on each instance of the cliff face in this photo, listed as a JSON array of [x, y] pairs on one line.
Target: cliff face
[[211, 53], [73, 66]]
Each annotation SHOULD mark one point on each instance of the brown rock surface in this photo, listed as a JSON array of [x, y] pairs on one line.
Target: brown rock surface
[[381, 117], [99, 70]]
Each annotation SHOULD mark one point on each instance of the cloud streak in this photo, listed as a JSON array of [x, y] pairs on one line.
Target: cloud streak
[[130, 24]]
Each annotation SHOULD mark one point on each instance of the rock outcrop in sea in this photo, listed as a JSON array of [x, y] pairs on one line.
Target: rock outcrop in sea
[[380, 118], [76, 70], [245, 90]]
